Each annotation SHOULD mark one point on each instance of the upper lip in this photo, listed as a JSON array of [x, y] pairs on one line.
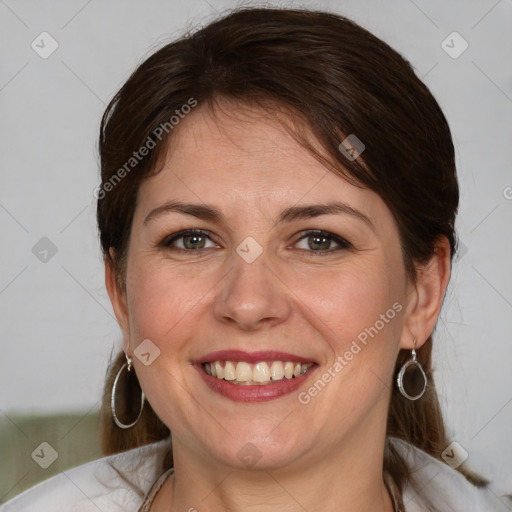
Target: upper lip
[[252, 357]]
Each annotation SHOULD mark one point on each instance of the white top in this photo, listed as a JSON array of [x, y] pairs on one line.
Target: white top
[[128, 481]]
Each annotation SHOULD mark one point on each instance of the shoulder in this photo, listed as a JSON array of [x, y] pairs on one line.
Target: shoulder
[[434, 485], [115, 483]]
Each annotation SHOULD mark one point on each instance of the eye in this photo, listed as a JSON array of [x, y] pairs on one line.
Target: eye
[[191, 240], [321, 241]]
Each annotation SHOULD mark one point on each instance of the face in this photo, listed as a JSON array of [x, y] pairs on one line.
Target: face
[[247, 253]]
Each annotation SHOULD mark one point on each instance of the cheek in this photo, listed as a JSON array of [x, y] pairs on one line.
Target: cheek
[[160, 301], [357, 311], [349, 301], [164, 307]]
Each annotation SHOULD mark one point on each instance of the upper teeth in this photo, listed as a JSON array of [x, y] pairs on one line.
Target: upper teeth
[[262, 372]]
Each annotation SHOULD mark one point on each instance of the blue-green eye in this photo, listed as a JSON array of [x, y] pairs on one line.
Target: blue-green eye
[[322, 241], [191, 240], [315, 241]]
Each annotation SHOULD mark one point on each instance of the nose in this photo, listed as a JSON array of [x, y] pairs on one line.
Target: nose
[[252, 296]]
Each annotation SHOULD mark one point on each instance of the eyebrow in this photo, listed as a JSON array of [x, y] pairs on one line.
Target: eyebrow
[[200, 211], [210, 213], [315, 210]]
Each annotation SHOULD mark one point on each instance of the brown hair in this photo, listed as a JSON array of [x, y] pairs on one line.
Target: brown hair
[[337, 79]]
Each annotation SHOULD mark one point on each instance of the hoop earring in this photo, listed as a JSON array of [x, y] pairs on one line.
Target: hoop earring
[[400, 377], [117, 421]]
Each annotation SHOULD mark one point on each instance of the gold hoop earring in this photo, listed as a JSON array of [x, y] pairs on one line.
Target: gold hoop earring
[[400, 378], [117, 421]]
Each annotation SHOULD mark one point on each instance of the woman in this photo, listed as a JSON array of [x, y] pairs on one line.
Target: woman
[[277, 215]]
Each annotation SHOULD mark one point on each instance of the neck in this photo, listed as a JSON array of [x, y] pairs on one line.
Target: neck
[[348, 478]]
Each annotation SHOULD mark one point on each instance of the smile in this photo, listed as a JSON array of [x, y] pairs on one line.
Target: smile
[[261, 373], [254, 376]]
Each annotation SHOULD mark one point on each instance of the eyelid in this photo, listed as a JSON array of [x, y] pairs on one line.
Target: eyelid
[[169, 239], [343, 243]]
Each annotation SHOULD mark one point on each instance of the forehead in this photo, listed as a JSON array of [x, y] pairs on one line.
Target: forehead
[[239, 143], [238, 156]]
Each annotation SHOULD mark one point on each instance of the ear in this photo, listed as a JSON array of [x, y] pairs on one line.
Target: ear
[[117, 297], [426, 296]]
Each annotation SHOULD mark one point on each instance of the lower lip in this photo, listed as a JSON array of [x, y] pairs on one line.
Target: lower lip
[[254, 393]]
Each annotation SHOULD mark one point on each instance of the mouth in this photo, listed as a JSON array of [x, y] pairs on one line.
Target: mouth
[[254, 377], [258, 374]]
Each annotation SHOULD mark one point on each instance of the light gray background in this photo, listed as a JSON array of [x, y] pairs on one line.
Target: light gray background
[[57, 329]]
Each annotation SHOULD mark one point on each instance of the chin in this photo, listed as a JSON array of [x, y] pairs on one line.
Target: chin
[[259, 451]]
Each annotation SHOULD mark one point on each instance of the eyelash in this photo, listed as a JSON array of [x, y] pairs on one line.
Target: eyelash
[[342, 243]]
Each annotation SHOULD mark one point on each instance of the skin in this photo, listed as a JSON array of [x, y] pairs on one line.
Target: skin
[[325, 455]]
